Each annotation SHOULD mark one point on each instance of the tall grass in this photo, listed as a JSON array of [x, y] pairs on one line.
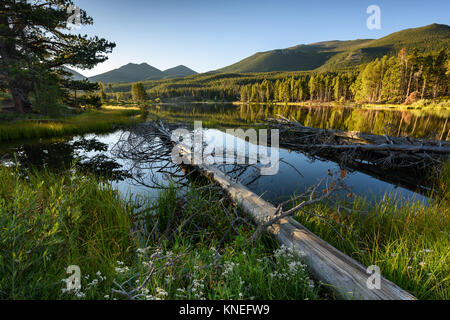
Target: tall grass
[[196, 244], [49, 222], [409, 241], [218, 259], [98, 121]]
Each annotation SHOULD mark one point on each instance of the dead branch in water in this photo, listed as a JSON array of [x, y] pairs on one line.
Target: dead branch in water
[[309, 199], [384, 151], [404, 161]]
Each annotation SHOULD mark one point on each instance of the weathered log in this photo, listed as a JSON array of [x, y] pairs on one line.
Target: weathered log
[[345, 276]]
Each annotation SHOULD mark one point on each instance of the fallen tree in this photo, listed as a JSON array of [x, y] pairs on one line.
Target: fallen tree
[[385, 151], [344, 275], [404, 161]]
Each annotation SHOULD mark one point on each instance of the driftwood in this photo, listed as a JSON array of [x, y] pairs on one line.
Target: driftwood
[[386, 151], [344, 275], [391, 159]]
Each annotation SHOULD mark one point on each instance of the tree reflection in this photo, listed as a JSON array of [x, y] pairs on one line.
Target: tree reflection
[[84, 154]]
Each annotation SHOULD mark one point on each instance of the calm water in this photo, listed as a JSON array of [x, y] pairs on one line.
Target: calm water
[[297, 171], [417, 123]]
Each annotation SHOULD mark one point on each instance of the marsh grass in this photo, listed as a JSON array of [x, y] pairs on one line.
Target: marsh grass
[[50, 222], [198, 243], [97, 121], [218, 259], [409, 241]]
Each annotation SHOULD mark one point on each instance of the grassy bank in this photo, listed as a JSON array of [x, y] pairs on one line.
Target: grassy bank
[[423, 104], [174, 248], [102, 120], [409, 241]]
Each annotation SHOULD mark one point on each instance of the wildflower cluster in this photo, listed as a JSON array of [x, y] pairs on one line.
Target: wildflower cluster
[[290, 266], [121, 268], [91, 285]]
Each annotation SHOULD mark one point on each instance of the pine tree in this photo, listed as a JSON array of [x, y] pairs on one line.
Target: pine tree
[[392, 86], [138, 92], [34, 44]]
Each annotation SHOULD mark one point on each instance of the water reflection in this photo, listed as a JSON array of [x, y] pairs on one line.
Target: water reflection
[[417, 123], [93, 152], [87, 154]]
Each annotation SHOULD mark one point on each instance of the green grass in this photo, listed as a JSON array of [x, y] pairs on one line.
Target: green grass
[[49, 222], [98, 121], [198, 246], [409, 241], [442, 104]]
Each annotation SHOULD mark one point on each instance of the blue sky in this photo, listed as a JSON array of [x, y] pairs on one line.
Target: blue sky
[[209, 34]]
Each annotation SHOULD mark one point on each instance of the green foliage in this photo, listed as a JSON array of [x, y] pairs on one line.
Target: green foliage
[[393, 79], [40, 29], [50, 221], [409, 241], [102, 93], [48, 97], [389, 79], [138, 92], [211, 255], [92, 101], [341, 55]]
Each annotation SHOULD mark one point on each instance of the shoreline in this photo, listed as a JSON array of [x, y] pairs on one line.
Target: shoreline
[[354, 105]]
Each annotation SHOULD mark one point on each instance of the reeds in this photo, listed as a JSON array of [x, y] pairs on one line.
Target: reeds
[[408, 240], [97, 121], [186, 244]]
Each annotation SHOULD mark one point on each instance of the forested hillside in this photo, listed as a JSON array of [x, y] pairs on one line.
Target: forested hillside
[[338, 55], [404, 77]]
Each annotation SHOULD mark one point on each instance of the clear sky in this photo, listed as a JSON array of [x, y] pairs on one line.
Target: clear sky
[[209, 34]]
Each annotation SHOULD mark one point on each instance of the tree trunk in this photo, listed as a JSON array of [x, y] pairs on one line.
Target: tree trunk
[[409, 84], [423, 88], [17, 99]]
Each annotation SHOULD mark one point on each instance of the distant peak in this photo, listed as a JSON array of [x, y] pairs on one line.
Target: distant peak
[[180, 70]]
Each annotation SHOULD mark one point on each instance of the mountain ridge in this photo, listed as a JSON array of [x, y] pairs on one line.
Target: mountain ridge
[[321, 56], [75, 75], [179, 71], [133, 72], [342, 54]]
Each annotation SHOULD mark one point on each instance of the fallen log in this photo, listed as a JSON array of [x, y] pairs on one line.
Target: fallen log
[[344, 275], [389, 156], [347, 277]]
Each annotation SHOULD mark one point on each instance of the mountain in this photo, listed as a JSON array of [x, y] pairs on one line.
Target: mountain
[[75, 75], [130, 73], [141, 72], [179, 71], [333, 55]]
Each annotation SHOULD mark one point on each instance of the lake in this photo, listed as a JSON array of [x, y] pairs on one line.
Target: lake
[[297, 171]]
